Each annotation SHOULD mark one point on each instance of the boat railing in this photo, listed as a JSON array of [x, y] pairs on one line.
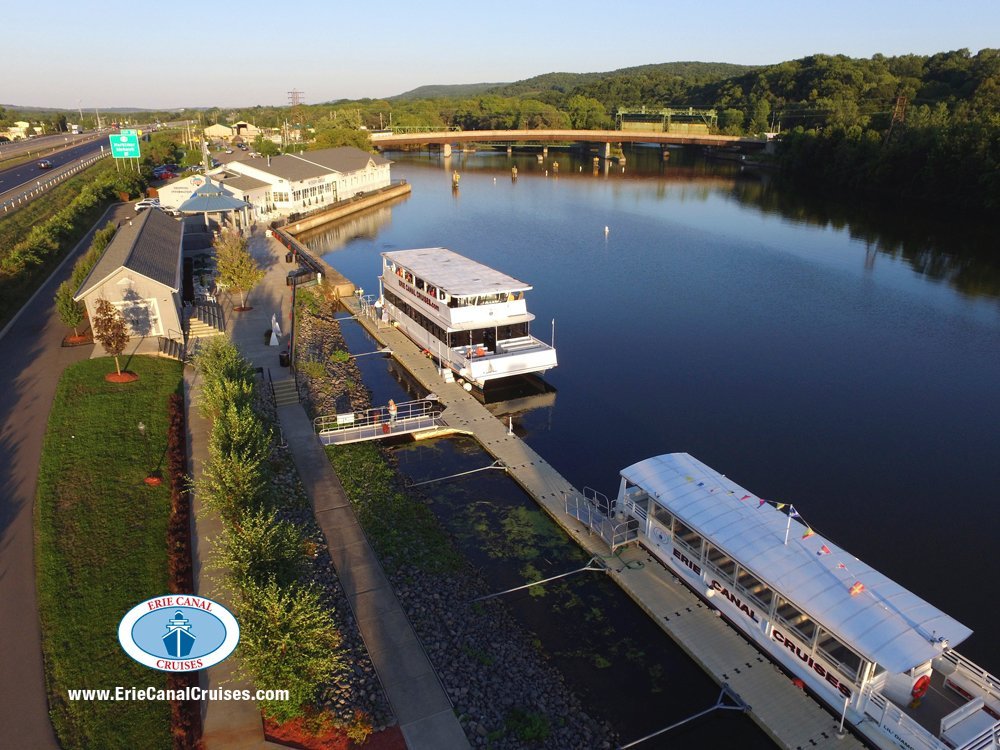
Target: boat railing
[[891, 719], [988, 683], [596, 512]]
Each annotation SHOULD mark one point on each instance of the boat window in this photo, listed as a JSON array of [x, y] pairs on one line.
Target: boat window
[[796, 619], [833, 650], [408, 277], [662, 515], [432, 291], [724, 565], [690, 539], [760, 592], [419, 284]]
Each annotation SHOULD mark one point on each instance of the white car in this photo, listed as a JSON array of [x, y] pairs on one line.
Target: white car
[[147, 203]]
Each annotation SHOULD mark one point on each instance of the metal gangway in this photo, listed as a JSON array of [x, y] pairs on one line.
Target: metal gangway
[[379, 423], [594, 510]]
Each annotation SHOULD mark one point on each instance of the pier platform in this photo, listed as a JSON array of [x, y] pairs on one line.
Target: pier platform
[[787, 714]]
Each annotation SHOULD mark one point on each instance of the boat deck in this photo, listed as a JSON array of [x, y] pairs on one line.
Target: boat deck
[[787, 714]]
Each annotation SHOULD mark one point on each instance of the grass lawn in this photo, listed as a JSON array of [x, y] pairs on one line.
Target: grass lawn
[[101, 546]]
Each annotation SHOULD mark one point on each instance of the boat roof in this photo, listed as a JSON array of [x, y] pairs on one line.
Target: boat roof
[[456, 274], [885, 622]]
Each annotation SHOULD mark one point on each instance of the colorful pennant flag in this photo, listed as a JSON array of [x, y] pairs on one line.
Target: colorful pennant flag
[[701, 484], [779, 506], [809, 533], [761, 502], [857, 588], [744, 497], [793, 513], [841, 566], [824, 550]]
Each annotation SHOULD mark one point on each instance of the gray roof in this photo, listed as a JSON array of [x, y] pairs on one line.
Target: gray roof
[[149, 244], [241, 182], [309, 164]]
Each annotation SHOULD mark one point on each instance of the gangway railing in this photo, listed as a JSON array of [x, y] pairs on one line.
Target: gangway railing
[[378, 423], [595, 511]]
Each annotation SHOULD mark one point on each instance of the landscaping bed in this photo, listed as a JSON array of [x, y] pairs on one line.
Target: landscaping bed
[[101, 546]]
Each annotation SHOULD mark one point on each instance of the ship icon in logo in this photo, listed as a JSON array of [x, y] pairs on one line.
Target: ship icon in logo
[[178, 639]]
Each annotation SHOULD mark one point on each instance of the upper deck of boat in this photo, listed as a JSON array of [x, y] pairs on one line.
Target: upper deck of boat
[[456, 274]]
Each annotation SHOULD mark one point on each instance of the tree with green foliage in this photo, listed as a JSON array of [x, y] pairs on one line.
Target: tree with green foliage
[[288, 639], [586, 113], [238, 271], [258, 548], [328, 136], [110, 330], [71, 312], [265, 146]]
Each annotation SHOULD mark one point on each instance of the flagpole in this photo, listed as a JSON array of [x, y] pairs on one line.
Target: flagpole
[[788, 526]]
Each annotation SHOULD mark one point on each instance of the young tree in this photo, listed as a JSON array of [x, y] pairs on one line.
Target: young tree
[[70, 311], [238, 271], [110, 330]]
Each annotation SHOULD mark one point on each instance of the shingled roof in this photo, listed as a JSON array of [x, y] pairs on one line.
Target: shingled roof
[[149, 245]]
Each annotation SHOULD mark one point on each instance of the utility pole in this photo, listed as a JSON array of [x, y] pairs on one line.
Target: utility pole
[[295, 98]]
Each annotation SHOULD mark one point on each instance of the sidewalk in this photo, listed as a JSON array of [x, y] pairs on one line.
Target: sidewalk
[[418, 700]]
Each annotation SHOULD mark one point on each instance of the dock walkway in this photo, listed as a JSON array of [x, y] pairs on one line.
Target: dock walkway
[[787, 714]]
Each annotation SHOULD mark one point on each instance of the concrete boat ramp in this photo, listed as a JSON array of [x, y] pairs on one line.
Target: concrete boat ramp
[[786, 713]]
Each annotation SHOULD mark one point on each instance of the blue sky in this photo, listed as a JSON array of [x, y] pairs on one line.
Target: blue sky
[[184, 53]]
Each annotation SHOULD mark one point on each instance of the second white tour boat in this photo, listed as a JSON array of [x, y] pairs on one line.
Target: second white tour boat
[[870, 649]]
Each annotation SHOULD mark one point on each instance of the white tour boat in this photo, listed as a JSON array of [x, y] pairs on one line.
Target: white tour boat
[[471, 318], [872, 650]]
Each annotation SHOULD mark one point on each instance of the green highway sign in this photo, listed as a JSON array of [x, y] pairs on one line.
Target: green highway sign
[[125, 144]]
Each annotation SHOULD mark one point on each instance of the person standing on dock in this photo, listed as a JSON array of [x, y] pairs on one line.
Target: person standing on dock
[[392, 412]]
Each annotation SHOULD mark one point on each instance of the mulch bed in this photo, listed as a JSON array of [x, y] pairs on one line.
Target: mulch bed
[[72, 340], [294, 735], [121, 377]]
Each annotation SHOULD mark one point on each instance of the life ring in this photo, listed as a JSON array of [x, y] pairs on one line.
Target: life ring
[[920, 687]]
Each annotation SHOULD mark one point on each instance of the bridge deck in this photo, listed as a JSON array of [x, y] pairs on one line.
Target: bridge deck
[[562, 136], [786, 713]]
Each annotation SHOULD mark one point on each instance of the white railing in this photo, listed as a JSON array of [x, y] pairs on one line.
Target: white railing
[[594, 510], [372, 424]]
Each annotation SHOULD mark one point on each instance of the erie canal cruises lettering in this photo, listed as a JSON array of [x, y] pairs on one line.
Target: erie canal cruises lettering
[[471, 318], [873, 651]]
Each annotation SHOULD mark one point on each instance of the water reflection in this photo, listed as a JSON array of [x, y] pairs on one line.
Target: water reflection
[[960, 253]]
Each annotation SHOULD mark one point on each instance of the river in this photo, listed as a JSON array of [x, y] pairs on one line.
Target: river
[[839, 359]]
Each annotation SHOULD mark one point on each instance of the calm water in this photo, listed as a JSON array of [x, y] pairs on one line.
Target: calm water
[[845, 362]]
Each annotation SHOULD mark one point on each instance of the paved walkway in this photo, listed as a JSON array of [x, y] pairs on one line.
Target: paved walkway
[[418, 700]]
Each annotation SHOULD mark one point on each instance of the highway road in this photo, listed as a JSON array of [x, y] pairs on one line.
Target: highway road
[[26, 174]]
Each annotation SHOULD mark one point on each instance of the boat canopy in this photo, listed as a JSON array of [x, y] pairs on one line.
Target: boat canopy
[[882, 621], [457, 275]]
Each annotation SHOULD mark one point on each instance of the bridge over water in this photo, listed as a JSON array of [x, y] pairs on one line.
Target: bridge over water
[[603, 138]]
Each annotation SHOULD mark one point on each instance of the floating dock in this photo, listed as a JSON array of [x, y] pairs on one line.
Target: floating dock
[[787, 714]]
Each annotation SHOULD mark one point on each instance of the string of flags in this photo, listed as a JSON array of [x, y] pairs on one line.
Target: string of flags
[[855, 589]]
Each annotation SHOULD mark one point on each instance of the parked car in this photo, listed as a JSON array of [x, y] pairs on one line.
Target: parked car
[[45, 164], [147, 203]]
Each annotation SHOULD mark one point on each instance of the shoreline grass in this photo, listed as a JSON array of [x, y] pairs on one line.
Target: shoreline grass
[[101, 546]]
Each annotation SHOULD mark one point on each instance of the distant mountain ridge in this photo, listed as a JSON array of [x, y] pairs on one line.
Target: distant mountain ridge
[[694, 72]]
